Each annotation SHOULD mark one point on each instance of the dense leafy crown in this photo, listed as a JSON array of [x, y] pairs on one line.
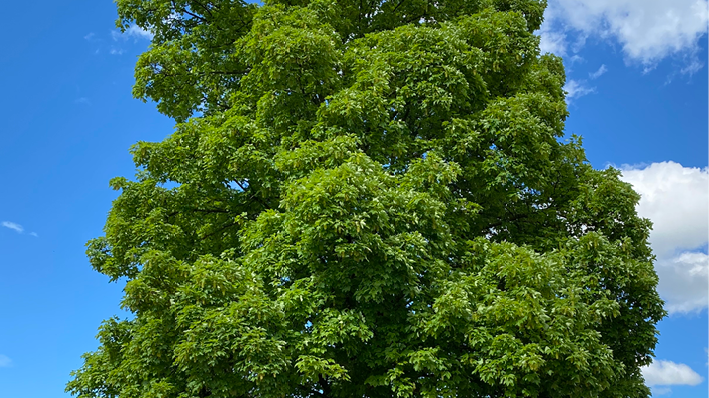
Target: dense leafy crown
[[366, 199]]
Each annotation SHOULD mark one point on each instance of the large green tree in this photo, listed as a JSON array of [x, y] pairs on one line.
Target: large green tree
[[366, 198]]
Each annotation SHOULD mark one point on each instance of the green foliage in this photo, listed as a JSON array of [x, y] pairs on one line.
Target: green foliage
[[374, 200]]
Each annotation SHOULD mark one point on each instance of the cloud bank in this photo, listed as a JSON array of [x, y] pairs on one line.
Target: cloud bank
[[647, 30], [675, 199]]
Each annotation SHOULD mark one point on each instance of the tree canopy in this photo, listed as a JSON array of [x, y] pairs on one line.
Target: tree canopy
[[366, 199]]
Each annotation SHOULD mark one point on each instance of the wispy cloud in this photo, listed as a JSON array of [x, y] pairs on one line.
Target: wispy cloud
[[139, 33], [576, 58], [577, 88], [82, 100], [600, 72], [133, 31], [14, 226], [5, 361], [657, 391], [117, 35], [692, 67], [17, 228]]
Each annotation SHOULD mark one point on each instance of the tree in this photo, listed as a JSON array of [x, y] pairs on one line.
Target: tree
[[366, 199]]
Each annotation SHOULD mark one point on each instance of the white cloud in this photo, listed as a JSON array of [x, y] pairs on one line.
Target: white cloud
[[577, 88], [13, 226], [693, 66], [82, 100], [683, 281], [133, 31], [552, 41], [657, 391], [600, 72], [676, 199], [576, 58], [668, 373], [138, 32], [647, 30], [19, 229], [5, 361]]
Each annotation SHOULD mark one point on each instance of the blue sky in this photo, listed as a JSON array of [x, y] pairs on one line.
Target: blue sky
[[638, 80]]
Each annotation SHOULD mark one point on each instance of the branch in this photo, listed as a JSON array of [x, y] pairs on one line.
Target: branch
[[253, 196], [221, 229], [199, 17], [205, 8]]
